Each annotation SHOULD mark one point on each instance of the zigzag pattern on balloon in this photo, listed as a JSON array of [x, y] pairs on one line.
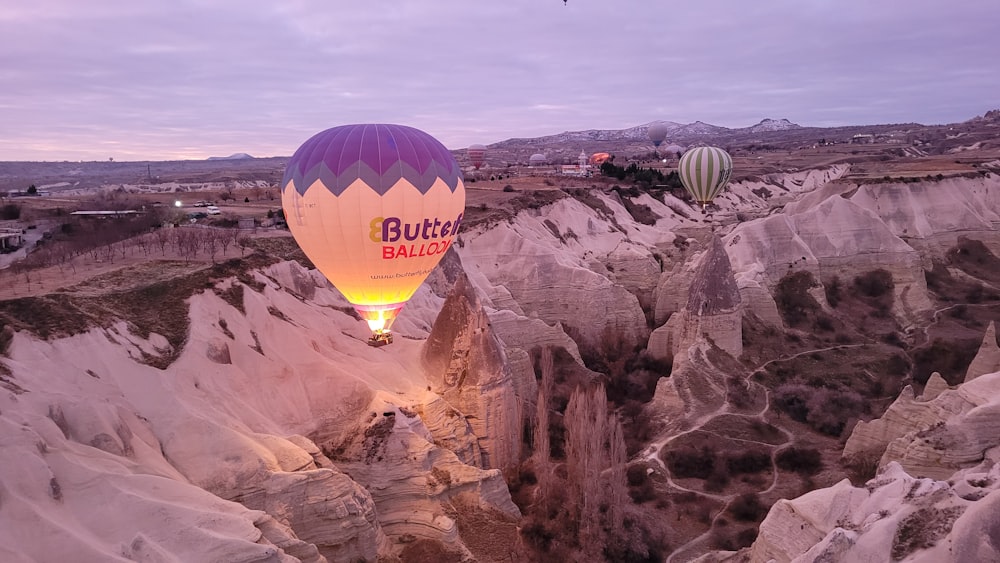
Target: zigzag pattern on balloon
[[380, 184], [378, 154]]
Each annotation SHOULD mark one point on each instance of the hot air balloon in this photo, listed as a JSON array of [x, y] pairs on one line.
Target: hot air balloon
[[657, 132], [374, 207], [704, 171], [598, 158], [476, 154]]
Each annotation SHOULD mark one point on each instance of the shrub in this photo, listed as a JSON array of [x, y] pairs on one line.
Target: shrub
[[792, 296], [749, 462], [748, 508], [833, 291], [640, 486], [746, 537], [10, 212], [949, 357], [508, 188], [875, 283], [825, 410], [717, 481], [806, 461], [824, 323], [829, 410], [691, 462]]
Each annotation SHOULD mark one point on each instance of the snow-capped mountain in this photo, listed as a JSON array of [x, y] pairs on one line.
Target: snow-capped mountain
[[773, 125]]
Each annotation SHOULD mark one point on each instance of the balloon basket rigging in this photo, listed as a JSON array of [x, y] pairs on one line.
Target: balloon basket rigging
[[380, 339]]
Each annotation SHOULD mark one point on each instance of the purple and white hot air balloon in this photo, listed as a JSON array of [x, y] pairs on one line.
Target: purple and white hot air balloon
[[375, 207]]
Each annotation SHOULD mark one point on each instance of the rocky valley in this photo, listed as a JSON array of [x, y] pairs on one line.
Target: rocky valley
[[595, 372]]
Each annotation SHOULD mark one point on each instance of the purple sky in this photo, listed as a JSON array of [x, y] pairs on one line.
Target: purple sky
[[148, 79]]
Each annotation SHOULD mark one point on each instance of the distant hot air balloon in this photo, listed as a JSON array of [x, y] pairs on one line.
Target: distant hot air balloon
[[704, 171], [657, 132], [598, 158], [476, 154], [374, 207]]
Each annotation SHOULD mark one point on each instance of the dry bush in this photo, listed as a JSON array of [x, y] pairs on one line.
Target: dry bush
[[640, 212], [792, 297], [951, 358], [825, 410], [689, 462], [233, 295], [748, 508], [922, 529], [862, 466], [806, 461], [874, 284], [6, 337]]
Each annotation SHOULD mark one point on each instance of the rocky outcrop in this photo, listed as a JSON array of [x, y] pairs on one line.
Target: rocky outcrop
[[946, 431], [465, 363], [636, 270], [713, 311], [551, 267], [411, 479], [834, 238], [325, 508], [987, 360], [895, 517]]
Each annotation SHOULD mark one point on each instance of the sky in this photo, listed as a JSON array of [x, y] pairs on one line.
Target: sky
[[189, 79]]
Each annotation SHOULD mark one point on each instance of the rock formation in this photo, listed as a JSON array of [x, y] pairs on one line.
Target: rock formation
[[713, 310], [937, 436], [987, 360], [466, 365], [836, 237], [895, 517], [528, 268]]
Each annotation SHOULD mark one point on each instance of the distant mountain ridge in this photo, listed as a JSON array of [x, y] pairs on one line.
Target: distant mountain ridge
[[235, 156], [639, 132]]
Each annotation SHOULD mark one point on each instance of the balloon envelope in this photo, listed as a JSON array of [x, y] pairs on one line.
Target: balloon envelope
[[476, 154], [657, 132], [374, 207], [598, 158], [704, 171]]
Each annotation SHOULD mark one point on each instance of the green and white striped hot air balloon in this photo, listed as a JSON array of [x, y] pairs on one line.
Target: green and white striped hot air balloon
[[704, 171]]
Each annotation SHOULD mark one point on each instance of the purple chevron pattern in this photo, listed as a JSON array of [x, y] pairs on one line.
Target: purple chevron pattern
[[378, 154]]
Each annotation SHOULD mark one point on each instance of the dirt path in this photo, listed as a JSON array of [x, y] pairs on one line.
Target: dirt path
[[652, 454]]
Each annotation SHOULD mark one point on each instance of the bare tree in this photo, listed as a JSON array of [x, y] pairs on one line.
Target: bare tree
[[226, 237], [543, 448], [209, 239], [595, 463], [187, 243], [162, 236], [243, 241]]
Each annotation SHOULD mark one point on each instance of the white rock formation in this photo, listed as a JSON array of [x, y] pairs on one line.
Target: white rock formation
[[104, 458], [834, 238], [895, 517], [987, 359], [466, 365], [713, 310], [934, 437], [523, 266]]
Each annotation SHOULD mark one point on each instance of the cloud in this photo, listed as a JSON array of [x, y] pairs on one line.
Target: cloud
[[157, 80]]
